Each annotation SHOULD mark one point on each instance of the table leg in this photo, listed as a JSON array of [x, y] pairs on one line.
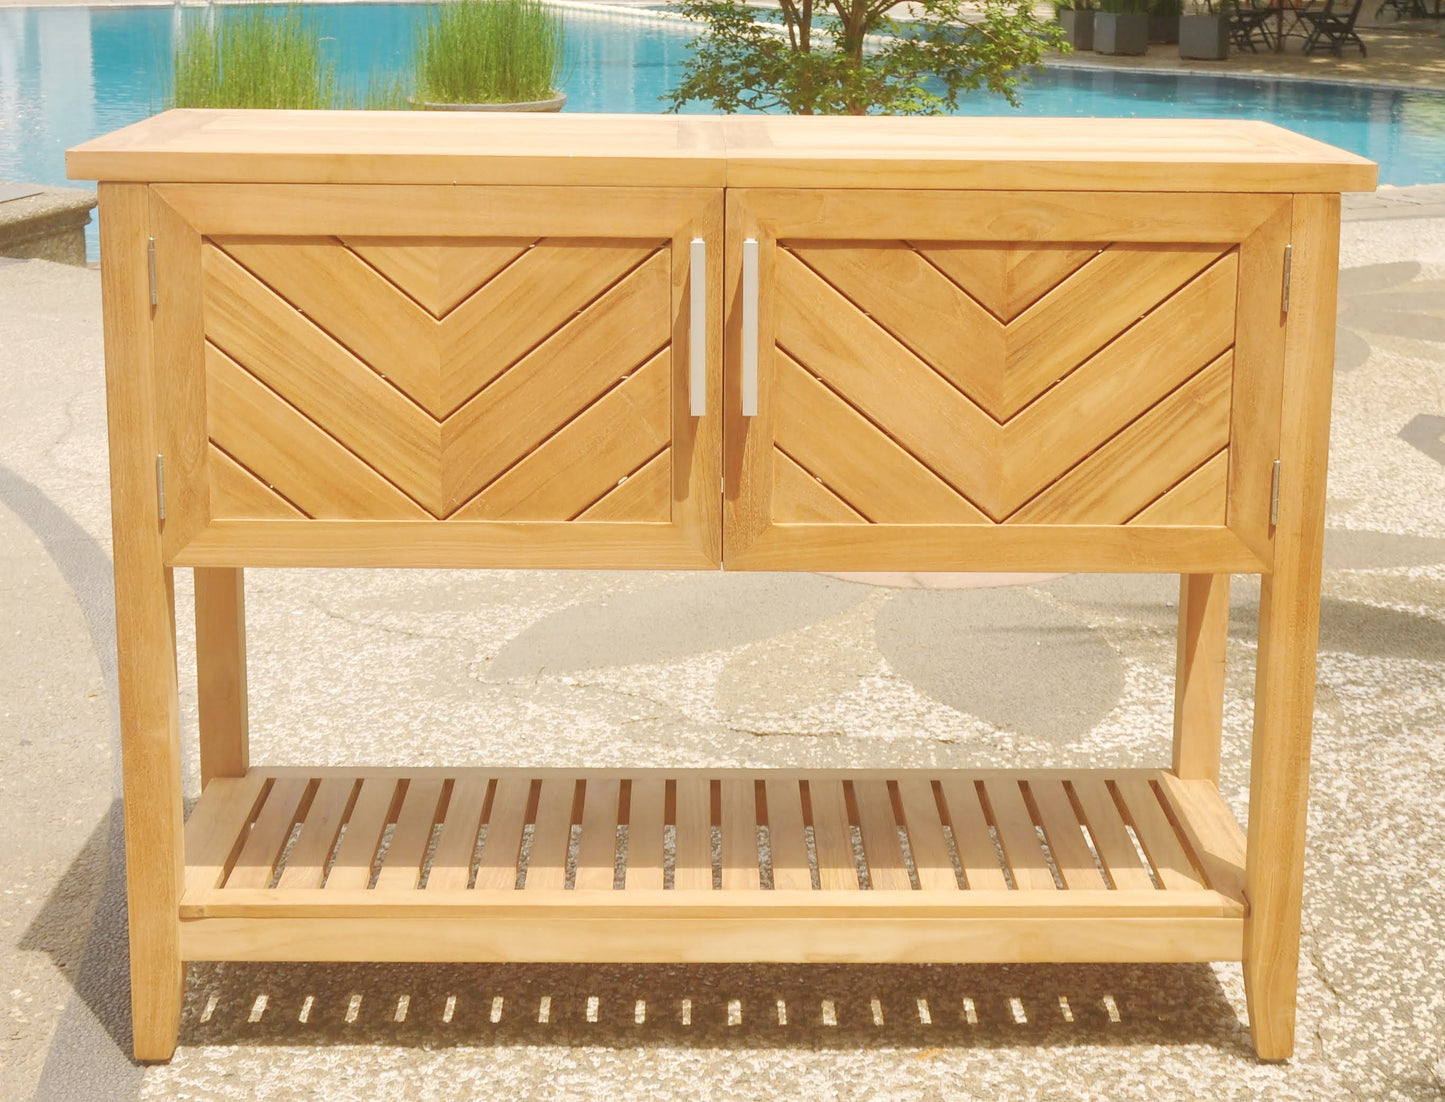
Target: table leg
[[145, 632], [1288, 635], [221, 671], [1199, 675]]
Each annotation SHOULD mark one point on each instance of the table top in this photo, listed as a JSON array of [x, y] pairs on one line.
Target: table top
[[418, 147]]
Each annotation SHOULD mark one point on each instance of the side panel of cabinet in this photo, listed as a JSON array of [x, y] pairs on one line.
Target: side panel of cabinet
[[1004, 381], [438, 376]]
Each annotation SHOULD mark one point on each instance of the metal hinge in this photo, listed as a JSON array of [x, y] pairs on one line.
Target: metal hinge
[[151, 266], [160, 487], [1274, 495], [1288, 264]]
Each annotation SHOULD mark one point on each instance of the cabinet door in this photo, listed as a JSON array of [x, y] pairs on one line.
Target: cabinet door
[[440, 376], [1003, 381]]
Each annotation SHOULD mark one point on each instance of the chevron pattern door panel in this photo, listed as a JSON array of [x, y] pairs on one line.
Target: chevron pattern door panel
[[988, 384], [522, 377]]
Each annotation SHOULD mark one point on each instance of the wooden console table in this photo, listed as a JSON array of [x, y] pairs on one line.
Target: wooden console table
[[748, 343]]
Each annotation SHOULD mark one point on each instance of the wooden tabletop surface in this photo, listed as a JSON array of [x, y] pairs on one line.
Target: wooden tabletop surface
[[413, 147]]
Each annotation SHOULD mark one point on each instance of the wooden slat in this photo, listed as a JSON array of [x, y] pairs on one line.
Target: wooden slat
[[402, 865], [549, 385], [1173, 438], [925, 835], [1066, 841], [527, 303], [692, 860], [321, 379], [351, 302], [440, 273], [1111, 841], [971, 839], [497, 870], [257, 862], [799, 497], [646, 494], [832, 836], [1144, 363], [739, 807], [597, 849], [1157, 836], [306, 864], [787, 844], [215, 829], [920, 307], [1021, 847], [646, 869], [1006, 278], [1090, 308], [303, 462], [920, 409], [236, 492], [351, 868], [879, 829], [603, 444], [451, 866], [875, 476], [551, 835], [1213, 835], [1201, 498]]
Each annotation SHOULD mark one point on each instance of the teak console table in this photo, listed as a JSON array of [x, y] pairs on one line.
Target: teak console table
[[748, 343]]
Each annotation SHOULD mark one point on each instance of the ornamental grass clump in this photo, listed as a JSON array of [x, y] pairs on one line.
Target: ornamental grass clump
[[489, 51], [252, 57]]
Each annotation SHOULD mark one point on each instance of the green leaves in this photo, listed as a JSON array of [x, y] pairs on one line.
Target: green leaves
[[489, 51], [850, 58]]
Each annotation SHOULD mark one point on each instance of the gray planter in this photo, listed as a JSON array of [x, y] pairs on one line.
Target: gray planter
[[1078, 27], [1163, 30], [1126, 33], [1204, 37], [556, 103]]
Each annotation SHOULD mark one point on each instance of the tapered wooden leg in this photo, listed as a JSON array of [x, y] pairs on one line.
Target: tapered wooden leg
[[1288, 635], [221, 672], [1199, 675], [145, 633]]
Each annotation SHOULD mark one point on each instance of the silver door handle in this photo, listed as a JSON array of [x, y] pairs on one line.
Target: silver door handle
[[697, 335], [750, 327]]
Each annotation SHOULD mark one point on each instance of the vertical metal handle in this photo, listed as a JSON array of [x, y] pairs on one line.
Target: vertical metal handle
[[750, 327], [697, 334]]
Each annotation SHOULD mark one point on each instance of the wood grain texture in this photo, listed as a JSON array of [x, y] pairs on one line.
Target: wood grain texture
[[221, 700], [693, 151], [1288, 633], [145, 630], [1199, 675]]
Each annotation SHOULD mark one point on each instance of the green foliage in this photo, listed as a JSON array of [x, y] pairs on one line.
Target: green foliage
[[847, 57], [1124, 7], [1166, 9], [251, 57], [489, 51], [1073, 5]]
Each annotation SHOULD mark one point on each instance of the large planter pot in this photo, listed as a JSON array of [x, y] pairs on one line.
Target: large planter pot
[[1163, 30], [556, 103], [1126, 33], [1078, 28], [1204, 37]]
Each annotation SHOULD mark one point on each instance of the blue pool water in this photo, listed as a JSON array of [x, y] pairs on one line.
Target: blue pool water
[[69, 73]]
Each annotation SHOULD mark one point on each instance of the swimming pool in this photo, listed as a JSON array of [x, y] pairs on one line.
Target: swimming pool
[[69, 73]]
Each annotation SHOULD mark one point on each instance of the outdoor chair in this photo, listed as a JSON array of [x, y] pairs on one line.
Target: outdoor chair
[[1328, 27], [1251, 23]]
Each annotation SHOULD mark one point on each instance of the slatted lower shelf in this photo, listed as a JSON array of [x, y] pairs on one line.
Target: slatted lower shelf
[[476, 864]]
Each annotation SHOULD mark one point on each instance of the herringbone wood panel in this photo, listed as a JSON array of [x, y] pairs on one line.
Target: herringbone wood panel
[[489, 379], [998, 383]]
